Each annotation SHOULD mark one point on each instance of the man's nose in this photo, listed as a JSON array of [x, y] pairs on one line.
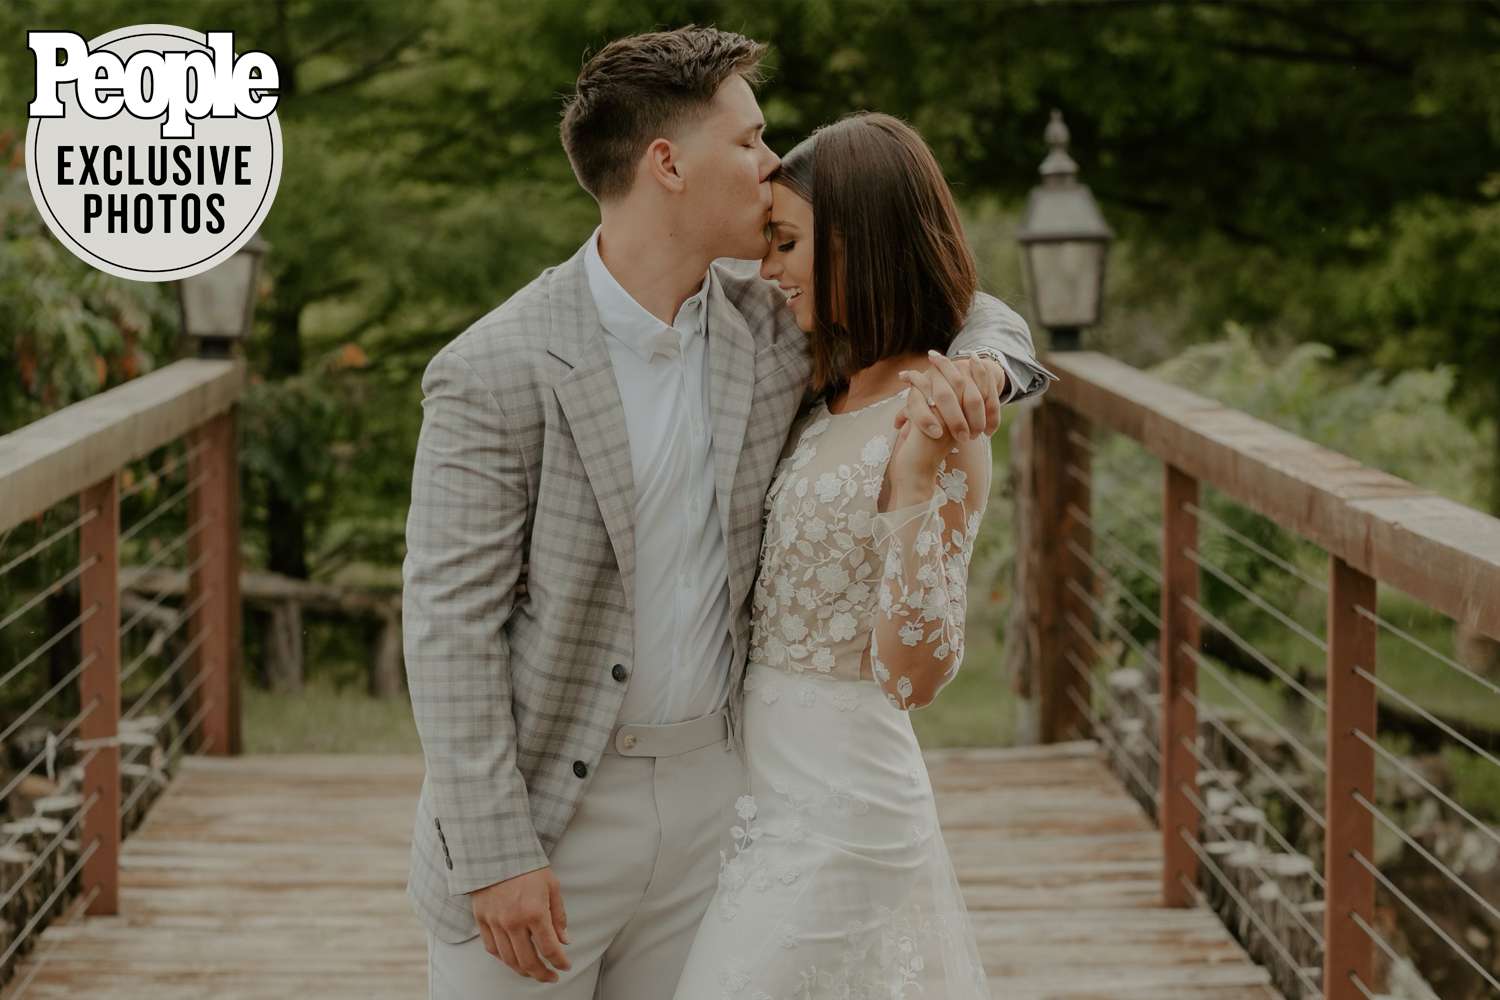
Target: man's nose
[[775, 161]]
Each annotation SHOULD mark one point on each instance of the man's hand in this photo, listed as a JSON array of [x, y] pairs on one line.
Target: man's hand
[[522, 921], [962, 397]]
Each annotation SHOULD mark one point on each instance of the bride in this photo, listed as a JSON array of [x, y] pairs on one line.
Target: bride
[[837, 883]]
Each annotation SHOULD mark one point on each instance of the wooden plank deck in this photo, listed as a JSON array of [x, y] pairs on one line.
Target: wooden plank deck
[[266, 877]]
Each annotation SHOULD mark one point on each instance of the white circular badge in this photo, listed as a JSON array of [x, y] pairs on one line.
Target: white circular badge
[[153, 152]]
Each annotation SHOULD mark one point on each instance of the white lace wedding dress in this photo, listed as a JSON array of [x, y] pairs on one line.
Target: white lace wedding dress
[[837, 885]]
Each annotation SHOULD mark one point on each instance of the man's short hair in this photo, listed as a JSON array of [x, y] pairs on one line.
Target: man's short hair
[[644, 87]]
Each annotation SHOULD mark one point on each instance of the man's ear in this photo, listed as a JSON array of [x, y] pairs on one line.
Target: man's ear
[[661, 164]]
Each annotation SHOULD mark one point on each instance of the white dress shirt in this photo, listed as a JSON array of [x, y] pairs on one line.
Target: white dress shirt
[[683, 644]]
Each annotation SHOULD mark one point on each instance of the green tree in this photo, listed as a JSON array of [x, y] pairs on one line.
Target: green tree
[[1317, 172]]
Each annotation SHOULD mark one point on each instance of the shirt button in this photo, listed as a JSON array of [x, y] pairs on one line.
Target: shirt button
[[581, 769], [628, 741], [619, 673]]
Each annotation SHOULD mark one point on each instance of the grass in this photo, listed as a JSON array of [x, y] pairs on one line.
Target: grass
[[336, 715], [977, 707], [327, 718], [974, 710]]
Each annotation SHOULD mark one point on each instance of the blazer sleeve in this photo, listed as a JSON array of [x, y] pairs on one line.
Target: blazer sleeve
[[464, 547], [996, 330], [992, 329]]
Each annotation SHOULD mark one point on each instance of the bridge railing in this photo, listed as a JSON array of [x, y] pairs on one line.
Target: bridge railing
[[100, 689], [1277, 829]]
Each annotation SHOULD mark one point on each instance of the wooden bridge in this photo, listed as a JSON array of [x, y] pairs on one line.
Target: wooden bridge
[[1127, 855], [264, 877]]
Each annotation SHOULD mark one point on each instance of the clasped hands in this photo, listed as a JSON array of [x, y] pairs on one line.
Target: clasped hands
[[958, 398]]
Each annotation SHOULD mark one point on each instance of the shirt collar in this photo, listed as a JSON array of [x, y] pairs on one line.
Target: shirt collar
[[626, 319]]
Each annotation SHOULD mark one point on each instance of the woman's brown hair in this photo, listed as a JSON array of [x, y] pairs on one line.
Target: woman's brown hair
[[892, 271]]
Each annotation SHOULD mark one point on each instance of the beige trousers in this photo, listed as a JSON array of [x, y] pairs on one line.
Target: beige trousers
[[638, 866]]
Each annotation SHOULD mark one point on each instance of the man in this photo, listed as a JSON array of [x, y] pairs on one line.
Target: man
[[611, 430]]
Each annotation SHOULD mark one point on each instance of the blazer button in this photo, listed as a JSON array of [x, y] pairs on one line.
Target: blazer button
[[581, 769], [619, 672]]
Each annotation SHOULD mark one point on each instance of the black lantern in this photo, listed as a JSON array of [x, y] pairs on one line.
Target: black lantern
[[1064, 241], [219, 304]]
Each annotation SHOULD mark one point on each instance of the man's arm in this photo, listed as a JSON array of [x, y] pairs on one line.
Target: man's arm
[[464, 537], [993, 329]]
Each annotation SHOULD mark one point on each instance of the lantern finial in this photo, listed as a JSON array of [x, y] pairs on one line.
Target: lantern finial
[[1058, 167]]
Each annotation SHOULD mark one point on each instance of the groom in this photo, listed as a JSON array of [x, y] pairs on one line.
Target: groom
[[582, 540]]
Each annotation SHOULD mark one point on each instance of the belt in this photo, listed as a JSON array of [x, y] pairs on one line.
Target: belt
[[639, 740]]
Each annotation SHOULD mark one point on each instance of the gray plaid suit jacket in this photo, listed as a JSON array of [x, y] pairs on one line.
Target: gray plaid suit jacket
[[523, 458]]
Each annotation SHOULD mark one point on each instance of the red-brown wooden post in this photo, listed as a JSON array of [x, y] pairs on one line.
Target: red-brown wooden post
[[99, 589], [1059, 473], [215, 506], [1351, 768], [1179, 681]]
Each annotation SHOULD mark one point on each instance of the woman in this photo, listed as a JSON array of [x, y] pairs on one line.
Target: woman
[[837, 883]]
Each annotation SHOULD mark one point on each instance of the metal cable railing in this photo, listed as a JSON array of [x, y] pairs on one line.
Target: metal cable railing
[[1459, 951], [1245, 907], [64, 532], [1257, 863], [36, 654], [1437, 656], [156, 602], [75, 911], [1247, 736], [1261, 764], [163, 636], [97, 503]]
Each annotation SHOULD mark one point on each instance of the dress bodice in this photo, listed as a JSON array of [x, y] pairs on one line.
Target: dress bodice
[[831, 561]]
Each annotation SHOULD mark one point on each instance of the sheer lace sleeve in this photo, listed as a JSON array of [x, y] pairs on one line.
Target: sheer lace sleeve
[[918, 638]]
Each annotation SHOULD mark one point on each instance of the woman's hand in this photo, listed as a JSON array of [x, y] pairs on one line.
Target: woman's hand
[[963, 395], [915, 457]]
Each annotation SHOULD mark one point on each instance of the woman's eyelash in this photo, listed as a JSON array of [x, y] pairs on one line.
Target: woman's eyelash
[[786, 247]]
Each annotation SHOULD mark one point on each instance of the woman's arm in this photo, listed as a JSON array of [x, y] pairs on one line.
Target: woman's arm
[[934, 496]]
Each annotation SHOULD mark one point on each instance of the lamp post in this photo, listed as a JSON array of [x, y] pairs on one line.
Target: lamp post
[[1064, 240], [217, 306]]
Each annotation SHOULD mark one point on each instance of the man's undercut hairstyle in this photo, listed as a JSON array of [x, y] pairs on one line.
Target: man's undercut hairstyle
[[642, 88]]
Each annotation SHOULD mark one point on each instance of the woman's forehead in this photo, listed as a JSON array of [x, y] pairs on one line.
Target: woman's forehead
[[788, 208]]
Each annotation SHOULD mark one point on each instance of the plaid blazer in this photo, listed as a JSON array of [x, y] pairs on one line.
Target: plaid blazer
[[523, 459]]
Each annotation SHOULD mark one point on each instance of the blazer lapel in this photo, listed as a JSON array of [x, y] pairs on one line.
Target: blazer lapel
[[731, 363], [590, 399]]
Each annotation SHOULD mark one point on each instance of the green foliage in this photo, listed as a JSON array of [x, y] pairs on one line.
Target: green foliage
[[1435, 288], [1321, 174], [1475, 780], [67, 331], [1397, 424]]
